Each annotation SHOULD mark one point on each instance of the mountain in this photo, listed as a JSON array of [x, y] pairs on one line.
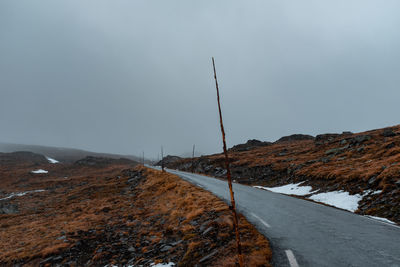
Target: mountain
[[61, 153]]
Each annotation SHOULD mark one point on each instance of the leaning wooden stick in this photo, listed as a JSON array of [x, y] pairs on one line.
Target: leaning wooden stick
[[228, 175], [192, 169], [162, 159]]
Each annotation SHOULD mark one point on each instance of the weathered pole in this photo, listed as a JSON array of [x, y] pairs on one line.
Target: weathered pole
[[143, 157], [193, 159], [228, 175], [162, 158]]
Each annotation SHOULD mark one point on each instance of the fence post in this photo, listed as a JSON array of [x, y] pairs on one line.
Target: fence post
[[162, 159], [193, 159]]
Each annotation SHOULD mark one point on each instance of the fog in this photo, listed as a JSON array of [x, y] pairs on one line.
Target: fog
[[130, 76]]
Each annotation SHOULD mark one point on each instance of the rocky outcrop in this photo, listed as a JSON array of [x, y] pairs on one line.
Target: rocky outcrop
[[325, 138], [249, 145], [295, 137], [168, 160], [388, 132]]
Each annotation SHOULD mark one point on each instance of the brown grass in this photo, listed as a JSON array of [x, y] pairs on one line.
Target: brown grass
[[93, 198], [195, 203]]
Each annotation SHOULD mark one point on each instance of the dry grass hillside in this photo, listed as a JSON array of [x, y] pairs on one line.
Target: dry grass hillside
[[97, 212], [351, 162]]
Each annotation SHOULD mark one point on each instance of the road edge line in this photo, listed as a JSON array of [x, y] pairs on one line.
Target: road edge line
[[261, 220]]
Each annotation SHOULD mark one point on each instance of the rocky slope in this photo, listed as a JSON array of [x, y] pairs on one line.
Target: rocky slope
[[366, 163], [102, 212]]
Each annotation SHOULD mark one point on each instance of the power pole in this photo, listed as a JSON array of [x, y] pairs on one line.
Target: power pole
[[228, 175], [193, 158], [162, 159], [143, 157]]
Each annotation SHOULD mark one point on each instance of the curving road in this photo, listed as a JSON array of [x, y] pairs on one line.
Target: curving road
[[303, 233]]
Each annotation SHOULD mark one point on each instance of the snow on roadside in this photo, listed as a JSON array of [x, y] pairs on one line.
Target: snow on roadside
[[380, 219], [289, 189], [339, 199], [39, 171], [22, 194], [53, 161]]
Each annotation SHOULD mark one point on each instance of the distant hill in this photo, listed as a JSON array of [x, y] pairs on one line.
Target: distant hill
[[61, 153], [19, 157]]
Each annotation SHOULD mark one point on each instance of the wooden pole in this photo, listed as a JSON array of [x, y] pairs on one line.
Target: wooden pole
[[162, 159], [193, 159], [228, 175]]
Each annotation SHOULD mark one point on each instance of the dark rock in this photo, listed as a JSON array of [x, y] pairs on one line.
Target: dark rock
[[391, 145], [295, 137], [372, 180], [250, 144], [388, 132], [359, 139], [325, 160], [176, 243], [336, 151], [209, 229], [209, 256], [62, 237], [347, 133], [193, 223], [7, 208], [165, 248], [168, 160], [106, 209], [325, 138], [289, 159]]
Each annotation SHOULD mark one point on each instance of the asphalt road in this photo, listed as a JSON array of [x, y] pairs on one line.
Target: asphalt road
[[303, 233]]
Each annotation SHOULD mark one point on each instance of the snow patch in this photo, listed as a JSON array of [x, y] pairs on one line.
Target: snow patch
[[376, 192], [380, 219], [372, 192], [22, 194], [39, 171], [339, 199], [289, 189], [53, 161]]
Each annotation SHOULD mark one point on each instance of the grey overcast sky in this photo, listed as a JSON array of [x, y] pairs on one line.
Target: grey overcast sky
[[124, 76]]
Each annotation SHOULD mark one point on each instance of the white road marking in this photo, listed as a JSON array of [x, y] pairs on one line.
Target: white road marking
[[291, 258], [261, 220]]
